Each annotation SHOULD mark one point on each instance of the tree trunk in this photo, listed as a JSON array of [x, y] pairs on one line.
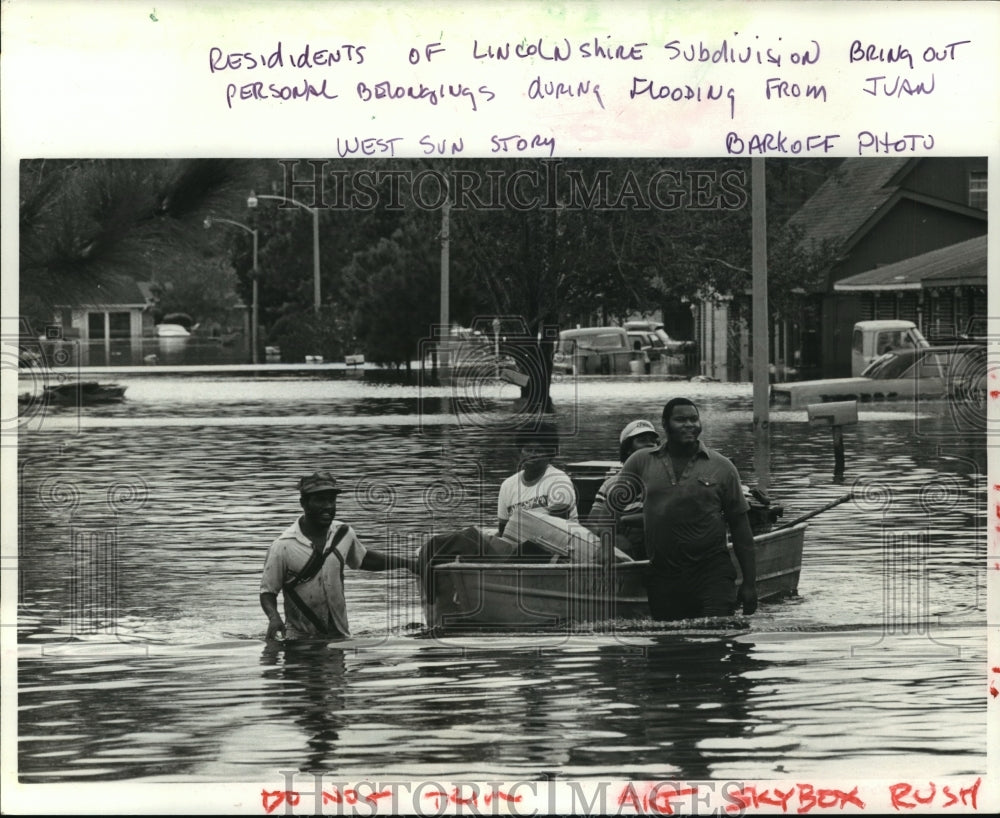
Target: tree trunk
[[535, 395]]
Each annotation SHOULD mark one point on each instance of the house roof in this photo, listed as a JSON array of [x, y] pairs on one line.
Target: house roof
[[839, 208], [116, 292], [952, 266]]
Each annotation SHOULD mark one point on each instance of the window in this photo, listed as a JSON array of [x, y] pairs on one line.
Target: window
[[889, 366], [977, 189], [95, 325], [120, 324], [608, 341]]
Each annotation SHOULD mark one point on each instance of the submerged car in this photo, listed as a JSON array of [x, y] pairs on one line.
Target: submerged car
[[671, 346], [905, 374], [593, 351], [648, 344]]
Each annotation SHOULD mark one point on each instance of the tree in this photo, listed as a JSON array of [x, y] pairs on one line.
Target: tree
[[304, 333], [89, 221], [387, 283]]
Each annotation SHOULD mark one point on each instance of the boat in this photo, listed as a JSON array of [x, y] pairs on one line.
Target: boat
[[530, 596], [83, 392], [483, 592]]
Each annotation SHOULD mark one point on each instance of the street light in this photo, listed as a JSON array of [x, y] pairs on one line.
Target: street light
[[252, 202], [254, 306]]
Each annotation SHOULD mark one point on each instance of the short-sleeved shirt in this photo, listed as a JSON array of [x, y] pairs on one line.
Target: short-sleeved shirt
[[629, 537], [685, 515], [553, 489], [324, 593]]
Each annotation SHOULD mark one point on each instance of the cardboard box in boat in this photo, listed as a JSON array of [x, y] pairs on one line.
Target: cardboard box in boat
[[566, 539]]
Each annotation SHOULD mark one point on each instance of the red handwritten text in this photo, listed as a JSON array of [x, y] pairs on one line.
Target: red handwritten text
[[274, 799], [656, 799], [456, 797], [906, 796], [349, 796], [807, 798]]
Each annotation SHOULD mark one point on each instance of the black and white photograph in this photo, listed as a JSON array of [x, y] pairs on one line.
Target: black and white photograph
[[409, 475]]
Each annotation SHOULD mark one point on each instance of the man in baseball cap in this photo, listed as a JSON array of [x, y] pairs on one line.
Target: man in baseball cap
[[306, 563], [638, 434]]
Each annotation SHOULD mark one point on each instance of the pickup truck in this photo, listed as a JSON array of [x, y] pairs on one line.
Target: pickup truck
[[873, 339]]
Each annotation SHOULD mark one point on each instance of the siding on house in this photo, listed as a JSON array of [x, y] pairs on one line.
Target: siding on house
[[939, 290], [879, 212]]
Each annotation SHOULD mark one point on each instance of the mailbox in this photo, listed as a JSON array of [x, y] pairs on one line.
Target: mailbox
[[841, 413]]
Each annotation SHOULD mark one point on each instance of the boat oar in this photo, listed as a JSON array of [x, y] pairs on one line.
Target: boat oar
[[803, 517]]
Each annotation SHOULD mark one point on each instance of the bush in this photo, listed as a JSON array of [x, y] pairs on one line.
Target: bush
[[304, 333]]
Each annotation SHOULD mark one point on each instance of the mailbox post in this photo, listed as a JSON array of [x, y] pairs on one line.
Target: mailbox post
[[835, 416]]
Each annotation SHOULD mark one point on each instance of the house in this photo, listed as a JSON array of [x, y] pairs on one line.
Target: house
[[939, 290], [116, 310], [878, 212]]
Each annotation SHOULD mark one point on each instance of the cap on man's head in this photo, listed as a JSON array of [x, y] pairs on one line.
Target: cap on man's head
[[634, 429], [318, 481], [637, 427]]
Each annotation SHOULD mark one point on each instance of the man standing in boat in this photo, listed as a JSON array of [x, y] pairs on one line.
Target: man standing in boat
[[691, 493], [306, 563], [537, 484]]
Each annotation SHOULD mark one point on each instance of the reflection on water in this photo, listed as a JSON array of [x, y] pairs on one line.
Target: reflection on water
[[147, 522]]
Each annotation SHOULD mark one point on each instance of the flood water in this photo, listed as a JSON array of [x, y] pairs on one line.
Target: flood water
[[143, 528]]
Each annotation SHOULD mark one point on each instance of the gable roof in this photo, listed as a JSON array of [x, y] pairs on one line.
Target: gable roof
[[857, 190], [115, 292], [952, 266]]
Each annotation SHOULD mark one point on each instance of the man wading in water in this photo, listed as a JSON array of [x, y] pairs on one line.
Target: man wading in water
[[306, 563], [691, 493]]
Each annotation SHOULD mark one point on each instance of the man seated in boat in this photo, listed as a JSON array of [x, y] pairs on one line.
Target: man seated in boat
[[691, 494], [627, 524], [537, 485], [306, 563]]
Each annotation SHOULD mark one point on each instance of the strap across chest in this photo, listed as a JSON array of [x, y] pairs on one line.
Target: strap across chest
[[318, 557]]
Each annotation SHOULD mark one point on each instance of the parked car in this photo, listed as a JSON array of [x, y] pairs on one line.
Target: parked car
[[593, 351], [926, 372], [648, 344], [670, 345]]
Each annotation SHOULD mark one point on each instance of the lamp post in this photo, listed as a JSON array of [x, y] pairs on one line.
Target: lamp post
[[445, 318], [252, 202], [254, 306], [496, 345]]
